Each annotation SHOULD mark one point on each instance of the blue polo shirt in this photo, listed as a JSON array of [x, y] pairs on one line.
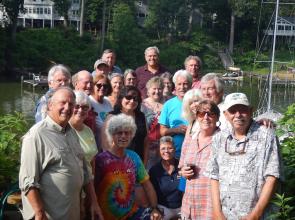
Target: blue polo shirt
[[166, 186], [171, 118]]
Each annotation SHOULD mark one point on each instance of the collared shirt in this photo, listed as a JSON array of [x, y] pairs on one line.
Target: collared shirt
[[241, 177], [144, 75], [41, 107], [196, 84], [166, 185], [52, 160], [171, 118]]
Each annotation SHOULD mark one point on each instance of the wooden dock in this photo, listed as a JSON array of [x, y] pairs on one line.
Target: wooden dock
[[35, 80]]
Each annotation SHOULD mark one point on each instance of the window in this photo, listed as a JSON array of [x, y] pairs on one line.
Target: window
[[288, 28], [139, 3], [45, 10], [49, 11], [30, 10], [38, 10], [34, 11]]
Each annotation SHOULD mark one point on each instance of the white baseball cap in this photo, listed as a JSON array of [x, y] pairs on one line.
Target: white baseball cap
[[235, 99]]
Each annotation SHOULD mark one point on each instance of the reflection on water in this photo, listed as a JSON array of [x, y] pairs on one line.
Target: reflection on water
[[13, 98], [282, 95]]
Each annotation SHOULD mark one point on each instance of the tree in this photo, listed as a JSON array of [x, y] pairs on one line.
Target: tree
[[12, 9], [125, 36], [82, 11], [238, 9], [62, 7]]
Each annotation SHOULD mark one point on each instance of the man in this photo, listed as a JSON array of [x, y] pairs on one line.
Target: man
[[53, 169], [100, 67], [150, 69], [193, 65], [83, 81], [245, 165], [58, 76], [109, 56], [212, 87]]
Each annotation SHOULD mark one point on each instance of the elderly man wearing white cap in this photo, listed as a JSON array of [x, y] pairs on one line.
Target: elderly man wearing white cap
[[244, 166]]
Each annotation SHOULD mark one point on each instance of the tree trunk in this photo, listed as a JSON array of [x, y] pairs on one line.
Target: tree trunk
[[190, 21], [66, 20], [103, 25], [232, 33], [82, 17]]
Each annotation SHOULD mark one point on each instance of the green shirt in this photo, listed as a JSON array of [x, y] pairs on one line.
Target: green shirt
[[52, 160]]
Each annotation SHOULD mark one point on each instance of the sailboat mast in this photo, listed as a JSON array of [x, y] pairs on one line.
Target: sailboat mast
[[273, 56]]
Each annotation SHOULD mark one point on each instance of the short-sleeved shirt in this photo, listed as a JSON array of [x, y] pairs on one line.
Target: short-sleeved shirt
[[88, 144], [114, 182], [143, 75], [171, 117], [52, 160], [241, 177], [166, 185]]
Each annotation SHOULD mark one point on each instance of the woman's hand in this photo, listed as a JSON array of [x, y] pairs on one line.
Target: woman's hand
[[156, 214], [187, 172], [96, 212]]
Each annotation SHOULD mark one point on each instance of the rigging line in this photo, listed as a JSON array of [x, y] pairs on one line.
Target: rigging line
[[258, 27], [264, 36]]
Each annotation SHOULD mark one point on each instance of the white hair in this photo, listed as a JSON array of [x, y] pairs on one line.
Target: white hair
[[219, 83], [119, 122], [184, 74], [82, 98], [189, 97], [156, 49], [58, 67]]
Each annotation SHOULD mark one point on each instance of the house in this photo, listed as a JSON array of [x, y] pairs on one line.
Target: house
[[41, 14], [286, 27]]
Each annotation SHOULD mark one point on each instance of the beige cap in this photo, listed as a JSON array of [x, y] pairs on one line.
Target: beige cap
[[235, 99]]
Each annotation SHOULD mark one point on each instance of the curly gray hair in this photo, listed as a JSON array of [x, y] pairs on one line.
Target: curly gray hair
[[118, 123]]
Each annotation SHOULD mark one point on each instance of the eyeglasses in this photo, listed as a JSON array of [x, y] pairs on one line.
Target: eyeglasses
[[209, 114], [98, 85], [129, 97], [120, 133], [83, 107], [238, 152]]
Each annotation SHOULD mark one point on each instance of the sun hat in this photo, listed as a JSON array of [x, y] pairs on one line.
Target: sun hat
[[235, 99]]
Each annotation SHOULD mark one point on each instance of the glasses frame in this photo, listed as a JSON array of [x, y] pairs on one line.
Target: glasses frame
[[209, 114], [99, 85], [83, 107], [129, 97], [236, 153]]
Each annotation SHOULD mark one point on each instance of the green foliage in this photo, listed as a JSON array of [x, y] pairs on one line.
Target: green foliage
[[287, 126], [38, 48], [285, 210], [12, 8], [12, 128], [125, 37]]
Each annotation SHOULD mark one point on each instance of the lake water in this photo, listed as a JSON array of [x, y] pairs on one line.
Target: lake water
[[14, 98]]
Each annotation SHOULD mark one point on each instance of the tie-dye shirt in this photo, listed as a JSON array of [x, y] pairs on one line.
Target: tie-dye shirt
[[115, 180]]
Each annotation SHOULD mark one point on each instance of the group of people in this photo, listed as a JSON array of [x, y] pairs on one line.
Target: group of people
[[146, 144]]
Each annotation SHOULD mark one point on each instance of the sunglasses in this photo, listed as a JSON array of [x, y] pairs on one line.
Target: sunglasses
[[129, 97], [98, 85], [236, 152], [209, 114], [83, 107]]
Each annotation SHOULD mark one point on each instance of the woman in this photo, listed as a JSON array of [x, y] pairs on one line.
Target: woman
[[196, 203], [151, 107], [171, 122], [87, 142], [130, 78], [165, 179], [118, 170], [99, 103], [129, 102], [116, 80], [168, 86]]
